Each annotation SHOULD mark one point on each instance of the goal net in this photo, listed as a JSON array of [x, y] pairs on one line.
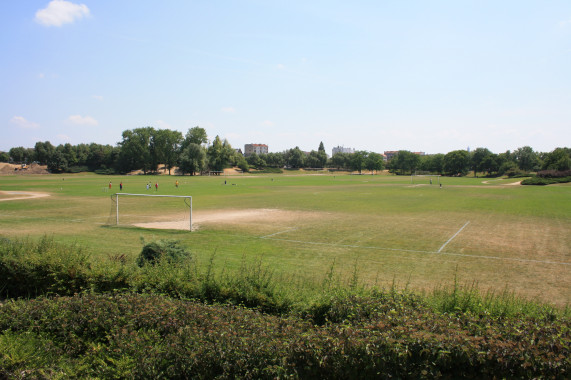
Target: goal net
[[429, 179], [151, 211]]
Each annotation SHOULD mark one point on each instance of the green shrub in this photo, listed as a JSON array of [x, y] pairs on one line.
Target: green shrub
[[168, 250], [148, 336], [542, 181]]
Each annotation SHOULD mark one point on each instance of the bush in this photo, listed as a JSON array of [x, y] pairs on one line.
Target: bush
[[541, 181], [148, 336], [169, 250]]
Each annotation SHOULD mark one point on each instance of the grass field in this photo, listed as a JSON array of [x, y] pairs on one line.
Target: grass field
[[382, 227]]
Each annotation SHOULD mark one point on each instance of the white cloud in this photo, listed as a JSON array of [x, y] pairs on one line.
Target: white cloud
[[97, 97], [82, 120], [280, 66], [228, 109], [59, 12], [267, 123], [21, 122]]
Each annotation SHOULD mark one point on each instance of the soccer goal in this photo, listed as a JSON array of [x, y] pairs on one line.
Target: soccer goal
[[425, 179], [153, 210]]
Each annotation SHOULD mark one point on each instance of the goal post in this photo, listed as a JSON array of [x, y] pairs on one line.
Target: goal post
[[425, 178], [187, 201]]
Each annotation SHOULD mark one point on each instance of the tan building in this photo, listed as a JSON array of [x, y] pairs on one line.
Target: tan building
[[250, 149]]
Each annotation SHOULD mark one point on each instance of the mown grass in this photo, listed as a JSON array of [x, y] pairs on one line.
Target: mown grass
[[517, 237]]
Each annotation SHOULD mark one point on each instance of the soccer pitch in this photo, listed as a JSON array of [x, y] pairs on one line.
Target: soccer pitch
[[383, 227]]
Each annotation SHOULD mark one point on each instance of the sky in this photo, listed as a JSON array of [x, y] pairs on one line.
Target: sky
[[431, 76]]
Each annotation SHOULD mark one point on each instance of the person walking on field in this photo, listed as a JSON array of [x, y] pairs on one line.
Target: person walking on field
[[176, 183], [109, 185], [156, 186], [121, 186]]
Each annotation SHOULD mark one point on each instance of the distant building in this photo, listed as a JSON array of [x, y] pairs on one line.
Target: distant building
[[250, 149], [340, 149], [389, 154]]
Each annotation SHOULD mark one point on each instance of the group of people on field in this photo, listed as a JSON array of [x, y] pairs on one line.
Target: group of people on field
[[149, 186]]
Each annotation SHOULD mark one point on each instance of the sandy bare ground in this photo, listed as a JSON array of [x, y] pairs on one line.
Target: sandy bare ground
[[15, 195], [234, 216], [504, 184]]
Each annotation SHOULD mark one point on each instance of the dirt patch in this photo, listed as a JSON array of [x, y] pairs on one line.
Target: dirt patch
[[16, 195], [6, 168], [233, 217]]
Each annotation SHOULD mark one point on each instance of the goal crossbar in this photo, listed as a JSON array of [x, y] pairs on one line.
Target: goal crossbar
[[156, 195]]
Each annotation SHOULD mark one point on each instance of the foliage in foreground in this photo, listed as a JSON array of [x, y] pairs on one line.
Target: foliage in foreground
[[130, 335], [131, 321]]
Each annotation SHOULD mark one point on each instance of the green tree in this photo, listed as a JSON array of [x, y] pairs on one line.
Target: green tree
[[313, 160], [357, 161], [195, 135], [255, 161], [340, 161], [274, 160], [558, 159], [193, 159], [4, 157], [405, 161], [432, 163], [374, 162], [165, 147], [57, 162], [295, 158], [526, 158], [219, 154], [18, 154], [136, 150], [478, 156], [456, 162], [43, 152], [322, 155], [490, 164]]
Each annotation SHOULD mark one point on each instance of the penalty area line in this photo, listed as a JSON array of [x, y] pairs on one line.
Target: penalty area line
[[417, 251], [279, 232], [453, 236]]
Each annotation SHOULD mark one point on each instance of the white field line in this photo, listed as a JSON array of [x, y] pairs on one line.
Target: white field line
[[279, 232], [453, 236], [416, 251]]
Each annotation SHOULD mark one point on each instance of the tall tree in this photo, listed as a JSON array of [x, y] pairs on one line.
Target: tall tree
[[405, 161], [136, 150], [195, 135], [526, 158], [295, 158], [165, 147], [219, 154], [478, 156], [193, 159], [457, 162], [322, 155], [357, 160], [374, 162], [43, 151], [340, 161], [558, 159]]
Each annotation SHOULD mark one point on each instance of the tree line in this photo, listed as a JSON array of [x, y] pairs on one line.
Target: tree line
[[146, 148]]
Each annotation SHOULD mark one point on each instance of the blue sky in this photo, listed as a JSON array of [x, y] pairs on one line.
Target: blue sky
[[430, 76]]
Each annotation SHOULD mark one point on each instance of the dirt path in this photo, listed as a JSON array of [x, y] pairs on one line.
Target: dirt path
[[16, 195]]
